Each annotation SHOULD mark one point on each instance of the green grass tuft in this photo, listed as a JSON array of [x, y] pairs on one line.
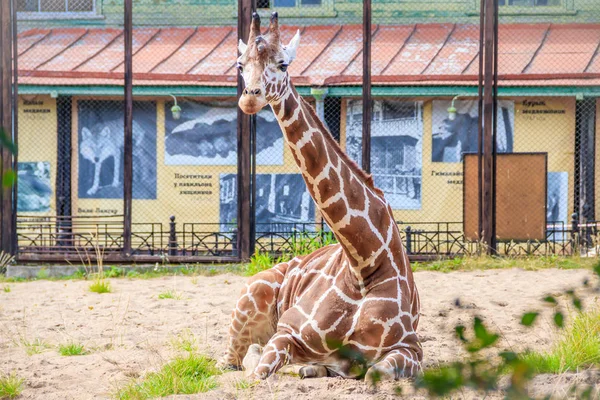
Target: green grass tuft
[[474, 263], [11, 386], [171, 294], [185, 342], [187, 374], [6, 289], [100, 285], [578, 347], [258, 262], [42, 274], [36, 346], [71, 349]]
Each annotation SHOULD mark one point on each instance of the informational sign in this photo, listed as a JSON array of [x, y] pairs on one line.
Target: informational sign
[[520, 196], [36, 170]]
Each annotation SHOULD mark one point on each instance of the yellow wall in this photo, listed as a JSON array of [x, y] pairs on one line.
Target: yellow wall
[[441, 192]]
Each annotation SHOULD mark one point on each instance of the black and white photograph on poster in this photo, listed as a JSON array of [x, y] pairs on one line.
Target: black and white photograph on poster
[[101, 140], [396, 148], [283, 203], [557, 205], [456, 134], [34, 186], [205, 133], [228, 202]]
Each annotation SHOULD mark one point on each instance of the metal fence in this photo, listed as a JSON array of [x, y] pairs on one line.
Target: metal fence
[[130, 139]]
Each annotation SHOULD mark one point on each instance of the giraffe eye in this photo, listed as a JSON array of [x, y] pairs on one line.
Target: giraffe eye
[[283, 67], [240, 67]]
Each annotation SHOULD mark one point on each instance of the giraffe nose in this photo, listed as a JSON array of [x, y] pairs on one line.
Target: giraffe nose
[[254, 92]]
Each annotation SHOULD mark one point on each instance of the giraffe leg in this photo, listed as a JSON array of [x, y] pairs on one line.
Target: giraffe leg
[[252, 358], [277, 353], [400, 363], [313, 371], [254, 318]]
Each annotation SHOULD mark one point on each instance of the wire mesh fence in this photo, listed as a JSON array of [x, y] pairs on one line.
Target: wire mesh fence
[[424, 113]]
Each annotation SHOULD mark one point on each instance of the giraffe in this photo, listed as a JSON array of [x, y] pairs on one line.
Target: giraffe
[[346, 308]]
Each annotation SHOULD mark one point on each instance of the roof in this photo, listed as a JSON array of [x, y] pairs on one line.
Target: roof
[[432, 54]]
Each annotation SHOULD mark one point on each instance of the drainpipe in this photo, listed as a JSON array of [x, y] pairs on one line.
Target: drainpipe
[[319, 94]]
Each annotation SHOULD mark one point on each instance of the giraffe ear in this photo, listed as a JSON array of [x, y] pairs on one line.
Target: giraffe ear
[[292, 47], [242, 47]]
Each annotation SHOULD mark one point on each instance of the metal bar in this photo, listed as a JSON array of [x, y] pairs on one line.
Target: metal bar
[[119, 258], [128, 118], [245, 9], [6, 105], [15, 121], [480, 121], [494, 128], [253, 121], [366, 87], [488, 112]]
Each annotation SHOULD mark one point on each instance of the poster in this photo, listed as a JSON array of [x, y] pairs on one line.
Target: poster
[[451, 139], [396, 148], [283, 203], [206, 134], [34, 187], [557, 203], [38, 158], [100, 148]]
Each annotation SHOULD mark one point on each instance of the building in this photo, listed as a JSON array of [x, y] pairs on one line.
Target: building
[[424, 54]]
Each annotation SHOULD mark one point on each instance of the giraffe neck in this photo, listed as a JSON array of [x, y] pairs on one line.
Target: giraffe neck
[[353, 208]]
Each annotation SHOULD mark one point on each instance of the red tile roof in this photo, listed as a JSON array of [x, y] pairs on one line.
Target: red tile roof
[[328, 55]]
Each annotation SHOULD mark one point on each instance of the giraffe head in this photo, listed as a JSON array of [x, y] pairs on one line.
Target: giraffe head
[[263, 64]]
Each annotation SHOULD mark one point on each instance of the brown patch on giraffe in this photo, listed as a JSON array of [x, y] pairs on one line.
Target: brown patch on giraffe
[[296, 319], [335, 211], [359, 234], [379, 272], [353, 192], [314, 155], [362, 175], [329, 186], [379, 216], [395, 335]]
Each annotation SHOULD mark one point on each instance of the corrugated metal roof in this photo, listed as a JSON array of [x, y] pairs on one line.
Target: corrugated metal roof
[[328, 55]]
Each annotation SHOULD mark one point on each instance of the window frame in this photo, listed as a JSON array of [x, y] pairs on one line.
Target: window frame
[[325, 10], [96, 13], [567, 7]]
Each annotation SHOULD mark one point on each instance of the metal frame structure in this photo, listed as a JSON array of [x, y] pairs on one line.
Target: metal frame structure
[[59, 238]]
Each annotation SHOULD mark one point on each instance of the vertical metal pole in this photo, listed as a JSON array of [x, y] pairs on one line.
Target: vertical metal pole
[[6, 104], [15, 244], [128, 122], [245, 8], [480, 125], [493, 236], [252, 185], [488, 134], [366, 92]]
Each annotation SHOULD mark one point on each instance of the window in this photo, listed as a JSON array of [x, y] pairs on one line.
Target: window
[[50, 8], [288, 3], [530, 3]]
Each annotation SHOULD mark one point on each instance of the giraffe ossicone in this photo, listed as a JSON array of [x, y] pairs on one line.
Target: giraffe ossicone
[[350, 309]]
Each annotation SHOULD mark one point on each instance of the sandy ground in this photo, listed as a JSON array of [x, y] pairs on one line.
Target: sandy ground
[[129, 331]]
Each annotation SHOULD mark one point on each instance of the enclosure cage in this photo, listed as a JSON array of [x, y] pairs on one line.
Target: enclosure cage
[[130, 141]]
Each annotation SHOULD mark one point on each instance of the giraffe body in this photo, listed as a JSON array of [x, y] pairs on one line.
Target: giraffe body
[[347, 305]]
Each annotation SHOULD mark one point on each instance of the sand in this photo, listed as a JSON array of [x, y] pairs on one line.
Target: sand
[[129, 332]]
